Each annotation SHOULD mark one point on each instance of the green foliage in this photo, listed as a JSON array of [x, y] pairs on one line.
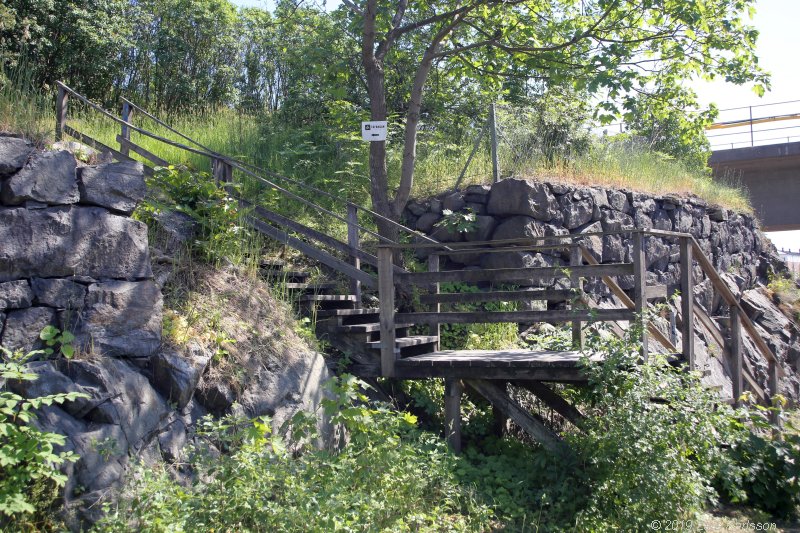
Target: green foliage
[[27, 455], [221, 235], [477, 336], [52, 336], [463, 221], [388, 477]]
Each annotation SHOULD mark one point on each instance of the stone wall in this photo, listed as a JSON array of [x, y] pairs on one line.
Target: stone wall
[[516, 208], [71, 256]]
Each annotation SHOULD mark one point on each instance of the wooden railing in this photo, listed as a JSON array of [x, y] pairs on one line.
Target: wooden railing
[[582, 264], [311, 242]]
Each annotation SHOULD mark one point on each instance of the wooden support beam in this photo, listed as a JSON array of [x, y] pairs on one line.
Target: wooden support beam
[[687, 303], [576, 283], [529, 423], [553, 400], [521, 295], [523, 317], [453, 389], [62, 102], [515, 274], [222, 170], [125, 131], [736, 359], [135, 148], [387, 315], [434, 329], [639, 286], [353, 242]]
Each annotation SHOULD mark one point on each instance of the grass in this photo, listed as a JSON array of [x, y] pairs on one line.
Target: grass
[[26, 112]]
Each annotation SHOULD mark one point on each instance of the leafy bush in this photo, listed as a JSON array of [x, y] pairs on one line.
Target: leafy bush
[[27, 455], [197, 194], [388, 477]]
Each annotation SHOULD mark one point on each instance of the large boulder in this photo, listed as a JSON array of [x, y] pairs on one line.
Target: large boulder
[[518, 227], [483, 229], [577, 209], [117, 186], [176, 375], [521, 197], [14, 153], [23, 327], [15, 295], [72, 241], [121, 318], [49, 177]]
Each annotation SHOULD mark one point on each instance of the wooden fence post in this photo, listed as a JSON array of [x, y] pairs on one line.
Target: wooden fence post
[[433, 266], [353, 242], [386, 296], [126, 132], [453, 388], [736, 362], [61, 112], [495, 156], [576, 259], [640, 286], [222, 171], [687, 303]]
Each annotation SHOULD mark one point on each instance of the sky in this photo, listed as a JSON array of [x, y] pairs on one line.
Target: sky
[[777, 48]]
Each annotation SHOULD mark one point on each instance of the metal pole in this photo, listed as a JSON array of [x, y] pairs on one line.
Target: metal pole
[[495, 159]]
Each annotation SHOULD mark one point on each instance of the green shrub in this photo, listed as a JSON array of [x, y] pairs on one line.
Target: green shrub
[[27, 455]]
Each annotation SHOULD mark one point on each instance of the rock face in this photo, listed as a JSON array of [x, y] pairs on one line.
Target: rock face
[[517, 208], [14, 154]]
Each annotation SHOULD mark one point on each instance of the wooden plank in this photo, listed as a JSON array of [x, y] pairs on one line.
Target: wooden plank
[[521, 295], [453, 389], [553, 400], [627, 302], [655, 292], [100, 147], [520, 317], [515, 274], [125, 131], [576, 282], [353, 243], [530, 424], [687, 303], [736, 357], [387, 314], [135, 148], [556, 375], [312, 252], [639, 284]]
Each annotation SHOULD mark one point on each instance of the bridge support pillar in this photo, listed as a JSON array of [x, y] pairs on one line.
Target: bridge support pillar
[[453, 389]]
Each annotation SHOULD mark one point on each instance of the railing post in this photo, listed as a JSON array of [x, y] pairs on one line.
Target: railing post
[[126, 132], [453, 388], [433, 266], [495, 156], [639, 286], [386, 296], [576, 259], [61, 112], [222, 171], [736, 362], [687, 302], [353, 242]]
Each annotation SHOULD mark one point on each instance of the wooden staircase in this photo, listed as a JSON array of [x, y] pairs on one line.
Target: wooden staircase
[[380, 341]]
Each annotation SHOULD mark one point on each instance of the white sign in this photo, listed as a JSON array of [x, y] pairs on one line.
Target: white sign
[[374, 131]]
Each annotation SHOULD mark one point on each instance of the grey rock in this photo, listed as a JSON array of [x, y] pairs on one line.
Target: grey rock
[[15, 295], [121, 318], [48, 177], [172, 441], [619, 201], [174, 231], [176, 375], [642, 202], [417, 209], [718, 214], [436, 206], [657, 253], [117, 186], [507, 260], [61, 293], [215, 396], [442, 234], [14, 153], [682, 219], [761, 309], [477, 194], [477, 208], [454, 202], [661, 220], [23, 327], [51, 381], [484, 228], [593, 243], [521, 197], [577, 212], [72, 241], [518, 227], [612, 220], [2, 324], [427, 220], [614, 250], [560, 188]]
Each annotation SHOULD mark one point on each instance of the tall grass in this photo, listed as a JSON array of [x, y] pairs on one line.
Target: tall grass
[[24, 110]]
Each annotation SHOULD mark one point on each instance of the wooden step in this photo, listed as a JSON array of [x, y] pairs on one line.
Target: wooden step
[[407, 342], [272, 264], [348, 312], [286, 276], [319, 302], [558, 295], [328, 298], [370, 327], [316, 288]]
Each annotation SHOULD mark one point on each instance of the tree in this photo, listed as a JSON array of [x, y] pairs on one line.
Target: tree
[[612, 49]]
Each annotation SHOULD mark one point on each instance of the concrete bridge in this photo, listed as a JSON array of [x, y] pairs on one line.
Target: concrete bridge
[[771, 175]]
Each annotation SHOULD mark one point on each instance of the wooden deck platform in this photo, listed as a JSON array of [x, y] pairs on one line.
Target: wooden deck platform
[[540, 365]]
